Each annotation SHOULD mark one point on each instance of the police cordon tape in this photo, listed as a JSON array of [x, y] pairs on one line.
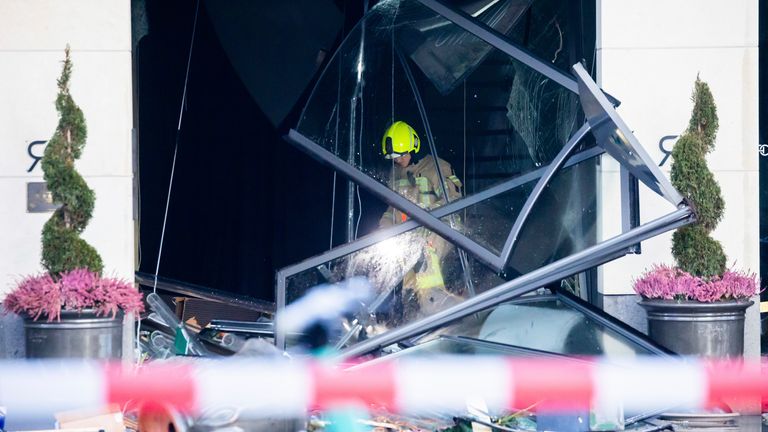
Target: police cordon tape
[[272, 388]]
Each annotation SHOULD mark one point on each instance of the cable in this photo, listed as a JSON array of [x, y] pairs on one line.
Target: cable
[[173, 166], [135, 153], [392, 48], [464, 130], [361, 94], [333, 209], [360, 166], [336, 138], [176, 146], [392, 93], [360, 208]]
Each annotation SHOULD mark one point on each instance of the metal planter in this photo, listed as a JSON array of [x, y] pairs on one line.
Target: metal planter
[[695, 328], [76, 335]]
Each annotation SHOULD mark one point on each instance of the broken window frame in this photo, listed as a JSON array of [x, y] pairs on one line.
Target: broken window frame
[[600, 253], [589, 93], [440, 212]]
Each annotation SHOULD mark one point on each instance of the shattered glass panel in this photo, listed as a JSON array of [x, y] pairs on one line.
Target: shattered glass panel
[[555, 31], [412, 275], [487, 116], [562, 221], [488, 222], [444, 52], [484, 118], [542, 323], [528, 100]]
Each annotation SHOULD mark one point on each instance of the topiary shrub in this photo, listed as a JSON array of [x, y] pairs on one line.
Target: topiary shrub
[[694, 250], [63, 249]]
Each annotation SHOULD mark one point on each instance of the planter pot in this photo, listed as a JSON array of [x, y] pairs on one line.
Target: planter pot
[[77, 335], [695, 328]]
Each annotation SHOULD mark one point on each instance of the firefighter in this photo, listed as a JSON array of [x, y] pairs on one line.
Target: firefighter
[[416, 178]]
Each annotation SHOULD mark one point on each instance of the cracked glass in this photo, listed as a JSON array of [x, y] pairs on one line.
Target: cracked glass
[[412, 275], [484, 119], [486, 116]]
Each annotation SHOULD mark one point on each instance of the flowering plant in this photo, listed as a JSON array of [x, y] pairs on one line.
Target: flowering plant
[[701, 273], [78, 289], [672, 283]]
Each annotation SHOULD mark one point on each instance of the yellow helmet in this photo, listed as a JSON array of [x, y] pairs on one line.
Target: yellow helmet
[[399, 139]]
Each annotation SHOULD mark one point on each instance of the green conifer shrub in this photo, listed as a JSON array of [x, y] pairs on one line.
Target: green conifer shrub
[[63, 249], [695, 251]]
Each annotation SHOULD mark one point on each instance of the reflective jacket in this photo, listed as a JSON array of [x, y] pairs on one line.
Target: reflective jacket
[[420, 184]]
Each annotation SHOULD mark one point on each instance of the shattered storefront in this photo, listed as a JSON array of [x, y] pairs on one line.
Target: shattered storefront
[[531, 225], [496, 261], [515, 240]]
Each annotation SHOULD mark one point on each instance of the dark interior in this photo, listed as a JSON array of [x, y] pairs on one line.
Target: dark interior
[[244, 202]]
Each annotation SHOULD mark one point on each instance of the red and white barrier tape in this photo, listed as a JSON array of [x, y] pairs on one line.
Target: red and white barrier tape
[[272, 388]]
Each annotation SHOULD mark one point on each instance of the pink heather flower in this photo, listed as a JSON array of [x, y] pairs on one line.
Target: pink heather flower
[[708, 292], [78, 289], [36, 296], [738, 285], [664, 282], [671, 283]]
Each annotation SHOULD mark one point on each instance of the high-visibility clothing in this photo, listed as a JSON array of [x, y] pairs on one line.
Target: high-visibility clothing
[[420, 184]]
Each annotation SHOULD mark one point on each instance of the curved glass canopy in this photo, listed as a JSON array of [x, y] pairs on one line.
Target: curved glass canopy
[[523, 137], [406, 62]]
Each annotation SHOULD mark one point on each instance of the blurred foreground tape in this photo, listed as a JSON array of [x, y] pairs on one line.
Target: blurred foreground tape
[[274, 388]]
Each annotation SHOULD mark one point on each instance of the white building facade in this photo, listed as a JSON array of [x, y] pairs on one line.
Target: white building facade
[[33, 36], [649, 54]]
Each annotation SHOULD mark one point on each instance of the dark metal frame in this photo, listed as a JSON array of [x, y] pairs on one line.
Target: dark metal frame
[[587, 258], [552, 169], [396, 200], [176, 287], [424, 217], [501, 42], [630, 204], [381, 235], [651, 175], [497, 262], [580, 261], [590, 312]]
